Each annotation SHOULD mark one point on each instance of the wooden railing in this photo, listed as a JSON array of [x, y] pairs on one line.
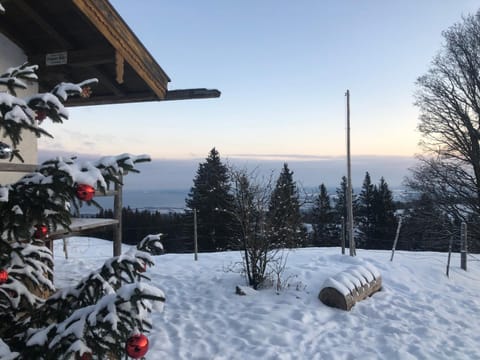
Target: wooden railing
[[80, 225]]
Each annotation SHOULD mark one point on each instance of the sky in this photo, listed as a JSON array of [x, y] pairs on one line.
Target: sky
[[283, 68]]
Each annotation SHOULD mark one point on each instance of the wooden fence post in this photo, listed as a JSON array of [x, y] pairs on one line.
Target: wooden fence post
[[195, 238], [449, 255], [464, 246], [396, 237], [117, 214]]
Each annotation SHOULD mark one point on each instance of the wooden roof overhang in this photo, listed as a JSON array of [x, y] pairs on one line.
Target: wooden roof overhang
[[75, 40]]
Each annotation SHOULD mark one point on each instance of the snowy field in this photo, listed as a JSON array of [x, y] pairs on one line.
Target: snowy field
[[419, 314]]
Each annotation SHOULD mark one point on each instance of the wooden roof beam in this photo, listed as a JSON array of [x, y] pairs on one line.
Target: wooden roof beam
[[116, 31], [110, 99], [186, 94]]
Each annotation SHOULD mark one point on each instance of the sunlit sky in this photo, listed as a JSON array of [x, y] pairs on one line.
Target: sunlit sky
[[283, 68]]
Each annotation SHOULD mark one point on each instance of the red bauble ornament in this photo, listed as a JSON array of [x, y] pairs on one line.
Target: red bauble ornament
[[86, 356], [3, 276], [85, 192], [41, 232], [143, 268], [40, 115], [137, 346]]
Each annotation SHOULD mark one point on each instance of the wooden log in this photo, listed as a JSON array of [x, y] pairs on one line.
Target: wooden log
[[345, 289]]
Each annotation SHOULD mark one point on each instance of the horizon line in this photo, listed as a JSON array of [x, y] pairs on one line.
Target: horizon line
[[47, 153]]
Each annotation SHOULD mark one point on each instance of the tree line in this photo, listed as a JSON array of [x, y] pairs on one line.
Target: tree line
[[236, 208], [233, 206]]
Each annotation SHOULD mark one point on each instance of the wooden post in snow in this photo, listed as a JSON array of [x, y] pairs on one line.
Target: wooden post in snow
[[117, 214], [396, 237], [195, 238], [464, 246], [450, 243]]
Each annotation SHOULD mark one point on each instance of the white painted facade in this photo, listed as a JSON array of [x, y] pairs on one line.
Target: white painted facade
[[12, 55]]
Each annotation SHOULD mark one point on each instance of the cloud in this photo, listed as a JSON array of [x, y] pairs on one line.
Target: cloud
[[309, 171], [283, 157]]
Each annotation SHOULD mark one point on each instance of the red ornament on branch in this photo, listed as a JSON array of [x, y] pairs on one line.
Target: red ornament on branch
[[85, 356], [137, 346], [41, 232], [3, 276], [40, 115], [86, 92], [85, 192]]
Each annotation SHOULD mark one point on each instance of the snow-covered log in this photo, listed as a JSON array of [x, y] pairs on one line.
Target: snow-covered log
[[348, 287]]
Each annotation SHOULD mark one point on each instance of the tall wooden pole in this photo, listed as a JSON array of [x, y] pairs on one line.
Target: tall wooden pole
[[351, 239]]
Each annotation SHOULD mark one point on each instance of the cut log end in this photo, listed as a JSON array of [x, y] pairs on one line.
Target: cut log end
[[332, 297]]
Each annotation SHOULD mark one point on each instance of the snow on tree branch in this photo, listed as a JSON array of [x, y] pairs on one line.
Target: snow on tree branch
[[17, 115], [151, 244], [12, 78]]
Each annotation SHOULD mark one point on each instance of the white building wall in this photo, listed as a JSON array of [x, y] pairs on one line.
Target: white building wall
[[12, 55]]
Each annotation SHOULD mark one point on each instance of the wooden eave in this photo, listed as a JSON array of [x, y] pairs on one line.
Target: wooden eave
[[91, 41], [104, 17]]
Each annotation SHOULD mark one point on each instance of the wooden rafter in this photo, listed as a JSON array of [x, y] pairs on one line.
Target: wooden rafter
[[112, 26], [119, 67], [110, 99]]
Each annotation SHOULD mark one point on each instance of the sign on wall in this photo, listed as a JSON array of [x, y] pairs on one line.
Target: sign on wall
[[59, 58]]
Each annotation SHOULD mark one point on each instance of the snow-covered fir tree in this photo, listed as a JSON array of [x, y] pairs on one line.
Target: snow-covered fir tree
[[284, 218], [211, 197], [104, 316], [324, 228]]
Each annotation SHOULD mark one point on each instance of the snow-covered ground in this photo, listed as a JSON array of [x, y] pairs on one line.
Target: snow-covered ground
[[419, 314]]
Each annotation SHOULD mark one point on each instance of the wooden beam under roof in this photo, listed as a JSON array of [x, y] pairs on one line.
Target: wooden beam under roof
[[184, 94], [112, 99], [112, 26]]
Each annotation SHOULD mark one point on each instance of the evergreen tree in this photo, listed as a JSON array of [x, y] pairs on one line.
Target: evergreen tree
[[323, 220], [366, 212], [385, 222], [95, 318], [284, 218], [211, 197]]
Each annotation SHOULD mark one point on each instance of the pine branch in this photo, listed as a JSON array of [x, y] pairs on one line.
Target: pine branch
[[118, 305]]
